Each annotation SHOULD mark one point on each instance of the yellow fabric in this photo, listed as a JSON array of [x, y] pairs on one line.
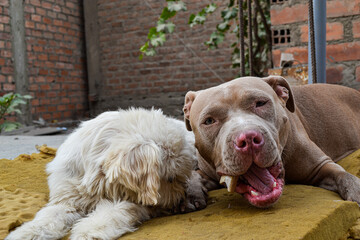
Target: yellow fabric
[[303, 212]]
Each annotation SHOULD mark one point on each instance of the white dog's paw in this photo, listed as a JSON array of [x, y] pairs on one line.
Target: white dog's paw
[[29, 231], [51, 222], [21, 233], [196, 194]]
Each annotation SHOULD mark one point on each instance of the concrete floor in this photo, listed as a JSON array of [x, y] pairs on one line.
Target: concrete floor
[[13, 146]]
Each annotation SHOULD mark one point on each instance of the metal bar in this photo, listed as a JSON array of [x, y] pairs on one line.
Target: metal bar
[[241, 39], [250, 38], [317, 73], [320, 39], [312, 73]]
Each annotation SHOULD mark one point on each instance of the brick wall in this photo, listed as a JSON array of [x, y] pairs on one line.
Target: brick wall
[[54, 37], [342, 35], [162, 80], [56, 61], [6, 64]]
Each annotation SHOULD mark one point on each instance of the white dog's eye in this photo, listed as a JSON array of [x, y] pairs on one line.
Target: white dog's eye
[[260, 103], [209, 121]]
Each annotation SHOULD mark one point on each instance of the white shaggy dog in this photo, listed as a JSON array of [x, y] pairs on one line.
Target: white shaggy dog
[[114, 172]]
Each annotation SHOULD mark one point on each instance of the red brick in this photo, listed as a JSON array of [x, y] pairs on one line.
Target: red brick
[[58, 22], [4, 19], [2, 78], [334, 74], [42, 57], [40, 26], [35, 2], [61, 107], [46, 5], [56, 115], [40, 11], [29, 24], [29, 9], [334, 31], [46, 116], [4, 3], [300, 54], [7, 70], [341, 8], [283, 15], [8, 87], [38, 48], [356, 29], [45, 87], [344, 51], [47, 20], [357, 73], [35, 18], [43, 72], [56, 8], [52, 109]]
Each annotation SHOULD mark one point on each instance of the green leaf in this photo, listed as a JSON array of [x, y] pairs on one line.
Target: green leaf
[[231, 3], [27, 97], [211, 8], [152, 31], [166, 14], [158, 39], [198, 19], [8, 95], [228, 14], [215, 39], [151, 52], [191, 18], [176, 6], [222, 27], [17, 101], [9, 126], [163, 26], [144, 47]]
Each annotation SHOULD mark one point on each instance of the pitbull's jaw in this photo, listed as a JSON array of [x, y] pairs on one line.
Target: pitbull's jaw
[[261, 187]]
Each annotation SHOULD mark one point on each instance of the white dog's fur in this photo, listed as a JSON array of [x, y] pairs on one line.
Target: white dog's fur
[[112, 173]]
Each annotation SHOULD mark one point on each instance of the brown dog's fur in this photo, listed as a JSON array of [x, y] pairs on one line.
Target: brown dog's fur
[[306, 129]]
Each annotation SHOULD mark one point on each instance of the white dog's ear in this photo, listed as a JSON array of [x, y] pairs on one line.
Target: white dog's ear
[[189, 99], [282, 89], [136, 166]]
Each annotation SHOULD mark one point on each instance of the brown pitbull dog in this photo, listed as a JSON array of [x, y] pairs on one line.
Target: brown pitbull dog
[[255, 134]]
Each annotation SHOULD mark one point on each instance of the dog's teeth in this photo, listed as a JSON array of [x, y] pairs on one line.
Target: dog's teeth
[[274, 185], [230, 182], [254, 193]]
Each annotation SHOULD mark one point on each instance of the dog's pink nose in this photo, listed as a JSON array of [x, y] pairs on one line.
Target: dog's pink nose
[[249, 141]]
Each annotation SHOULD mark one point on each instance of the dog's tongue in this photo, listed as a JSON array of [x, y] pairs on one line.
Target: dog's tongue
[[260, 179]]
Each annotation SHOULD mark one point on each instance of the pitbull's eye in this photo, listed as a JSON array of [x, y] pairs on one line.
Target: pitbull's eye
[[209, 121], [170, 179], [260, 103]]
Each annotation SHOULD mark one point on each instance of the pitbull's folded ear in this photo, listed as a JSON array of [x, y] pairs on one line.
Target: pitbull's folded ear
[[189, 99], [282, 89]]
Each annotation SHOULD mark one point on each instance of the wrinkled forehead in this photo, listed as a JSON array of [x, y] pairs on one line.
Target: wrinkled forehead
[[231, 92]]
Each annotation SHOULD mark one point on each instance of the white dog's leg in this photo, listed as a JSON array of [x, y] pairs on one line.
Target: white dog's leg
[[51, 222], [110, 220]]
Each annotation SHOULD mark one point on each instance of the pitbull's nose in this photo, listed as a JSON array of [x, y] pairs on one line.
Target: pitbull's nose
[[249, 141]]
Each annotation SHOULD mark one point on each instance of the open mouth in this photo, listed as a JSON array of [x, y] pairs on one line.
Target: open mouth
[[262, 187]]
